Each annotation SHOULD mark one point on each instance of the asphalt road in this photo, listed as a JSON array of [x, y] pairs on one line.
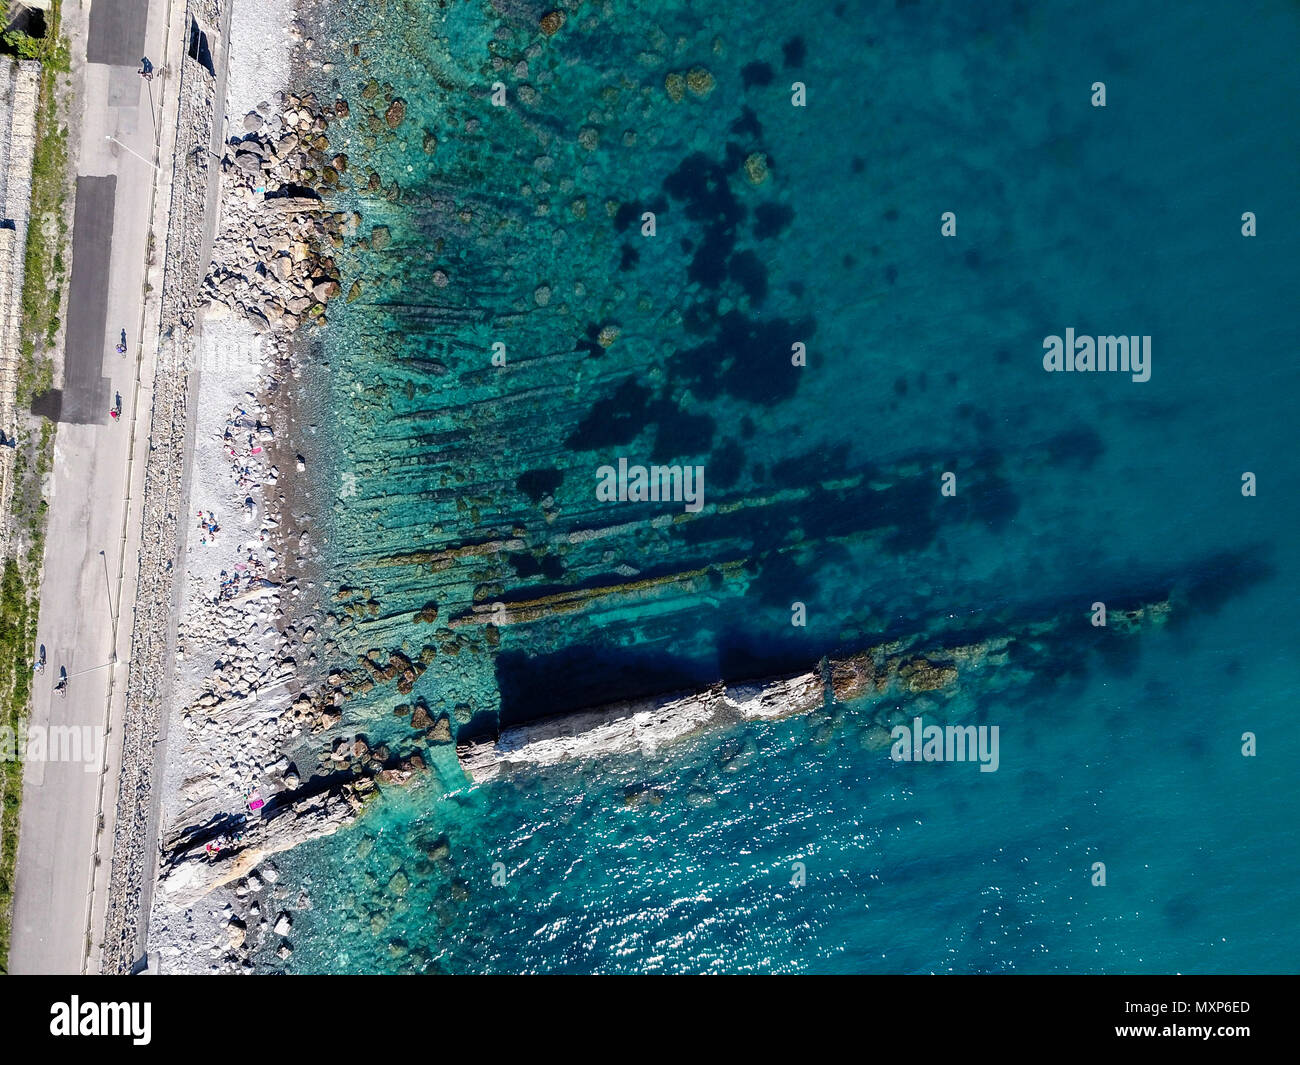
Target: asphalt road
[[86, 396], [95, 492], [117, 32]]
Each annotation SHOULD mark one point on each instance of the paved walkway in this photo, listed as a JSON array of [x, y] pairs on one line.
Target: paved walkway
[[120, 123]]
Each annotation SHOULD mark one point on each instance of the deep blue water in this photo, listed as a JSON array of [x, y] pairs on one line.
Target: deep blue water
[[924, 356]]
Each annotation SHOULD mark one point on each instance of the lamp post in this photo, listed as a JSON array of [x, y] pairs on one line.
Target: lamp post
[[110, 137], [112, 617]]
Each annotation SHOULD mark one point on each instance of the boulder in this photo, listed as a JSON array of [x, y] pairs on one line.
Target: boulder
[[441, 731], [236, 932]]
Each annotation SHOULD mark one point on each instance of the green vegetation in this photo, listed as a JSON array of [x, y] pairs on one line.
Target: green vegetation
[[17, 635], [44, 283], [19, 606], [45, 270], [18, 44]]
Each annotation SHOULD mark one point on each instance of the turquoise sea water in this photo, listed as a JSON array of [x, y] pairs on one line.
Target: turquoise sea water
[[521, 225]]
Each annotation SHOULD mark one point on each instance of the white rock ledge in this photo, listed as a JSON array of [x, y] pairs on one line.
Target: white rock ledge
[[638, 725]]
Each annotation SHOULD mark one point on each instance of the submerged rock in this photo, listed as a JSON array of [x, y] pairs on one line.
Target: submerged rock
[[700, 81], [922, 676]]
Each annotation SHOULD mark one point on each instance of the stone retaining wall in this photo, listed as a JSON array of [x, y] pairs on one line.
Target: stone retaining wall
[[19, 100]]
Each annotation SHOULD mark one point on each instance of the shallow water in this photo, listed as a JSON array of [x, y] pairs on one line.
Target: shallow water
[[522, 226]]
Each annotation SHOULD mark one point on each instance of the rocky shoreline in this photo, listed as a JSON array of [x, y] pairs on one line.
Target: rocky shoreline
[[250, 771], [247, 641], [889, 683], [251, 623]]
